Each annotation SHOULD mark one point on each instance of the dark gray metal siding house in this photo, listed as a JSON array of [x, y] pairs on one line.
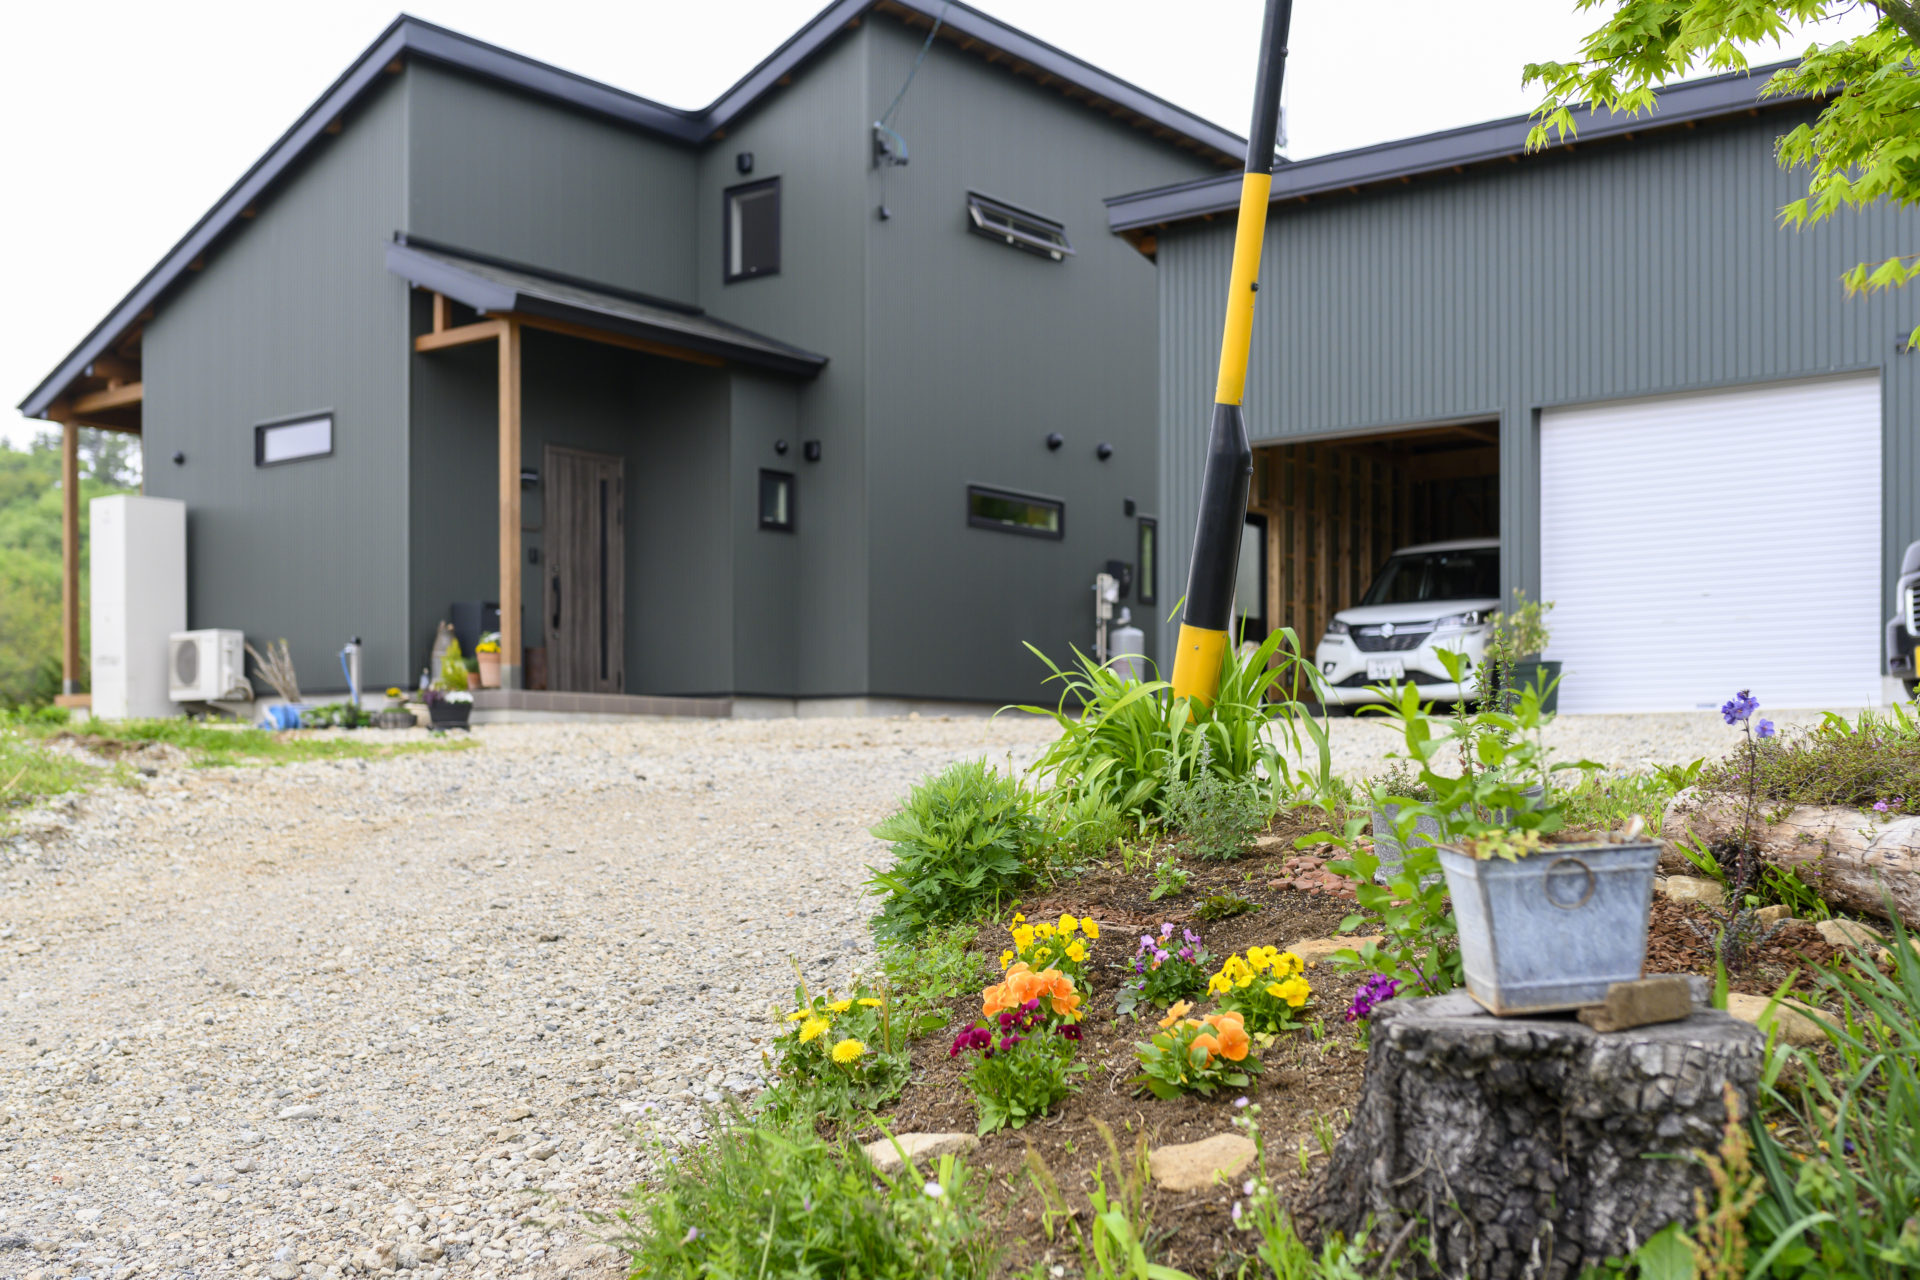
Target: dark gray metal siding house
[[446, 192], [1438, 316]]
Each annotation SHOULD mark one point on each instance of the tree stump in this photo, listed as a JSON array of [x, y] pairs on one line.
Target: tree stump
[[1855, 859], [1530, 1147]]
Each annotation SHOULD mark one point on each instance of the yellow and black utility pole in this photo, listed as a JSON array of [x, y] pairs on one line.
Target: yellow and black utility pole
[[1207, 618]]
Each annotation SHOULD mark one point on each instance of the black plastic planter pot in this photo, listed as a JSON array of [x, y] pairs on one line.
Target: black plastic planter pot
[[450, 715], [1527, 674]]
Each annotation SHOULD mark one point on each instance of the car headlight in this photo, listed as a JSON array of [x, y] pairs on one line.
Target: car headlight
[[1338, 628], [1459, 621]]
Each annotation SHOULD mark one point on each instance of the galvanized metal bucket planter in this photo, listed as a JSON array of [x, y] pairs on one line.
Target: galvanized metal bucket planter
[[1555, 930], [1386, 840]]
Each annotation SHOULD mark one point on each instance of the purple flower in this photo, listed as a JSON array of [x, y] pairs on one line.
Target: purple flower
[[1146, 941], [1739, 707], [1071, 1031], [1185, 953], [1374, 992], [1166, 930], [1190, 936], [1764, 729], [1007, 1042], [1159, 957], [1031, 1006], [693, 1233], [1241, 1102], [1879, 806]]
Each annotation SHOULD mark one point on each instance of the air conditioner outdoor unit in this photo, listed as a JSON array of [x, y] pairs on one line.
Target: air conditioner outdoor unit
[[206, 665]]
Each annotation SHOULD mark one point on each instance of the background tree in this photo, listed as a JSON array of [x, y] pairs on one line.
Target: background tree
[[1863, 147]]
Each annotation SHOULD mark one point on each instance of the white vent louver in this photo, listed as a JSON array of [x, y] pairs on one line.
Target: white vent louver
[[203, 666]]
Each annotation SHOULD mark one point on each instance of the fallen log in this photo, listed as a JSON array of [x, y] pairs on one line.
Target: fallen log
[[1855, 858]]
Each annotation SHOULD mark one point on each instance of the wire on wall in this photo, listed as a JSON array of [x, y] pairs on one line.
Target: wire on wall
[[889, 148]]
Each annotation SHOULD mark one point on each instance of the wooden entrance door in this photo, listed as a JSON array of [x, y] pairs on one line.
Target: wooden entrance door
[[585, 572]]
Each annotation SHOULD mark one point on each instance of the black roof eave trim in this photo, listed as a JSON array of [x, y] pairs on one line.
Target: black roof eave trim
[[1696, 100], [409, 36], [432, 272]]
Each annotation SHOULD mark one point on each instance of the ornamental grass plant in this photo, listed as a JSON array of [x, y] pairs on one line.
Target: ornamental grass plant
[[759, 1201], [1126, 741]]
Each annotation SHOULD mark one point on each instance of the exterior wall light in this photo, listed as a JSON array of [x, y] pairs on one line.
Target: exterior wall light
[[810, 451], [780, 447], [1054, 440], [1103, 451]]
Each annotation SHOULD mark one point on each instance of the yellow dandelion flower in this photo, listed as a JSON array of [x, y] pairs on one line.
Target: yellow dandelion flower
[[848, 1051], [869, 1002], [796, 1015], [840, 1006], [813, 1028], [1090, 928]]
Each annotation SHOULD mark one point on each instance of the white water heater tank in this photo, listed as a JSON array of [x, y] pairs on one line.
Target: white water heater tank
[[138, 565]]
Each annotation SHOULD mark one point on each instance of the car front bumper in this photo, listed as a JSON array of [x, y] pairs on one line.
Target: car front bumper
[[1344, 666]]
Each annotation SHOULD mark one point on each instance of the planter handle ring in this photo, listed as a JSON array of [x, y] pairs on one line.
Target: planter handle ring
[[1556, 876]]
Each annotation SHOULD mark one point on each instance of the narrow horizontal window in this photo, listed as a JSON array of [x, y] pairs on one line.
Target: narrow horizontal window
[[1015, 512], [1023, 230], [752, 230], [293, 441], [776, 500]]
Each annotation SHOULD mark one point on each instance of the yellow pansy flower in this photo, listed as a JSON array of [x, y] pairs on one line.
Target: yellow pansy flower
[[813, 1029], [1040, 956], [1019, 917], [1077, 951], [1067, 924], [848, 1051], [1043, 931], [1022, 937], [1294, 991], [1006, 958], [1090, 928]]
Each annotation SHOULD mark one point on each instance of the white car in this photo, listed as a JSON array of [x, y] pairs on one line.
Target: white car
[[1439, 595]]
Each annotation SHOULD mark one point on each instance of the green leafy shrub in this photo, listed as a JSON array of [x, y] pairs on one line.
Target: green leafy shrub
[[1860, 763], [1127, 740], [964, 842], [759, 1201], [1223, 906], [1084, 826], [1220, 816], [1169, 879]]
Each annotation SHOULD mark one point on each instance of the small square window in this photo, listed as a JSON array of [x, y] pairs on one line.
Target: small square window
[[292, 441], [1019, 228], [776, 500], [752, 230], [1011, 512], [1148, 569]]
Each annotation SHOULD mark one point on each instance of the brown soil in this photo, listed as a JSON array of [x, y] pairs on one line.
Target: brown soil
[[1311, 1079]]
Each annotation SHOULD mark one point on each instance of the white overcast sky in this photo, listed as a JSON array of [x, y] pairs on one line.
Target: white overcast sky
[[121, 123]]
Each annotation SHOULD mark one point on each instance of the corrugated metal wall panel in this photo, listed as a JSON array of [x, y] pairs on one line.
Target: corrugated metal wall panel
[[1631, 269], [295, 314]]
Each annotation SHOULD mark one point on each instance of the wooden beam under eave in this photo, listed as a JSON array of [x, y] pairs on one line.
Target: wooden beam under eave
[[481, 331], [442, 313], [112, 398], [113, 368], [510, 536], [611, 339]]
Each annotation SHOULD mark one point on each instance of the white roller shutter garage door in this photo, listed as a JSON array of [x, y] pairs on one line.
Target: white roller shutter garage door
[[1697, 545]]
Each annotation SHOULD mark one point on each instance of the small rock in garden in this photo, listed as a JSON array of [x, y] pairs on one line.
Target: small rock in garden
[[305, 1111], [1195, 1166], [517, 1113], [1694, 889], [1271, 844], [918, 1146], [1774, 914], [245, 1164], [1797, 1026], [1885, 954], [1848, 933], [1314, 950]]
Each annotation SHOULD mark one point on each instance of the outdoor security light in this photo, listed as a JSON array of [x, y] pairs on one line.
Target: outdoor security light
[[1055, 440]]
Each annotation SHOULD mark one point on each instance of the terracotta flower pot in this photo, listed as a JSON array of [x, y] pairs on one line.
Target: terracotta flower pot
[[489, 670]]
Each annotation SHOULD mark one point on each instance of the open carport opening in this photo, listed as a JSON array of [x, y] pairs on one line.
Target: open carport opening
[[1323, 517]]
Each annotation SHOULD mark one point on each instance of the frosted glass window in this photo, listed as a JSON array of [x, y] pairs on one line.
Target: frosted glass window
[[277, 442]]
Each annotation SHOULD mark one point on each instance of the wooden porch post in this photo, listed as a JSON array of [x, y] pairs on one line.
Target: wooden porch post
[[510, 653], [69, 557]]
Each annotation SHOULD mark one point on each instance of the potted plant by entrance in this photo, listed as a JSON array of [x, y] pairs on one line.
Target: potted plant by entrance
[[449, 705], [1548, 919], [395, 714], [1515, 641], [487, 655]]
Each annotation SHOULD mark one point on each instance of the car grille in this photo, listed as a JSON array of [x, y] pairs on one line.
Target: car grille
[[1413, 677], [1913, 610], [1410, 636]]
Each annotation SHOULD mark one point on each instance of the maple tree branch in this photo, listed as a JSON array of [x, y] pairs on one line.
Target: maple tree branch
[[1905, 14]]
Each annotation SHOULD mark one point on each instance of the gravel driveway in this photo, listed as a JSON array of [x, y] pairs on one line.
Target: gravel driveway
[[294, 1021]]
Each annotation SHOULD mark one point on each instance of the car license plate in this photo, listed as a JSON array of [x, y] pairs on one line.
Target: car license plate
[[1386, 669]]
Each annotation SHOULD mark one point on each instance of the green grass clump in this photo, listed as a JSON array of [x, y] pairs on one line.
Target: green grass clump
[[29, 772], [1852, 763], [760, 1202], [963, 843], [925, 976]]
